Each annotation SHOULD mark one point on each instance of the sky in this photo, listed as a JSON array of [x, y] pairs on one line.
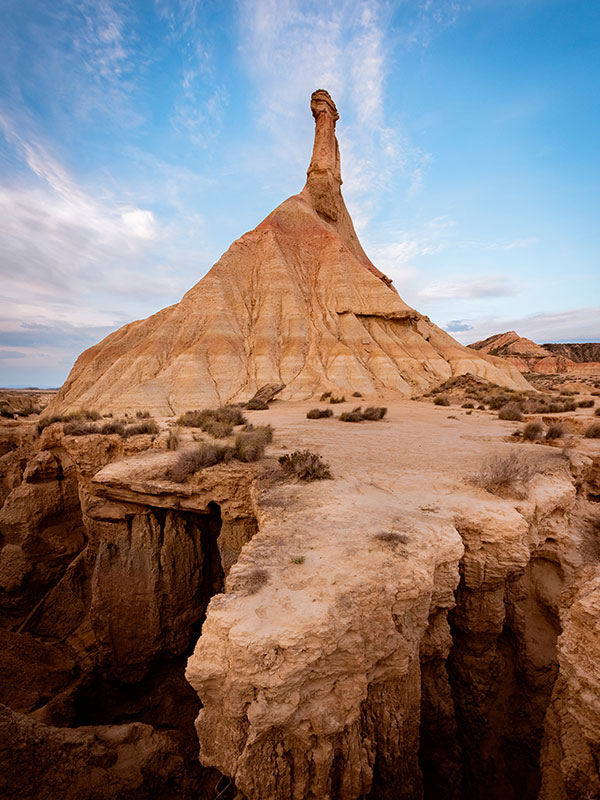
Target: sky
[[138, 139]]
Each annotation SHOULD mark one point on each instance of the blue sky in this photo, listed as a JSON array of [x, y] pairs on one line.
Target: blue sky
[[139, 139]]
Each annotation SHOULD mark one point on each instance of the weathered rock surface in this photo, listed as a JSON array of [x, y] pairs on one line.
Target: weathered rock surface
[[296, 301], [527, 356]]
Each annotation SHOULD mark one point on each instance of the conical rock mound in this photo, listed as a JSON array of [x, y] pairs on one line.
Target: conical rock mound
[[294, 301]]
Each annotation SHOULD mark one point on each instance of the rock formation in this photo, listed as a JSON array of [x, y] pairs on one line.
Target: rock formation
[[295, 301], [527, 356]]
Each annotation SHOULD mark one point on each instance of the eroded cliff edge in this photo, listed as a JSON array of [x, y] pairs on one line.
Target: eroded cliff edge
[[394, 632]]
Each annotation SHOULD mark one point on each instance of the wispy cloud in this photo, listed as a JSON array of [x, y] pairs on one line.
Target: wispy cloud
[[577, 324], [486, 286]]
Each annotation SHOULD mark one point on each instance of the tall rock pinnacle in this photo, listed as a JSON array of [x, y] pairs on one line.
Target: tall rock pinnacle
[[294, 301], [324, 179]]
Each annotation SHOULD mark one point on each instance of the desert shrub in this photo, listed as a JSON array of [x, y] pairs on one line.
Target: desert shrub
[[555, 431], [498, 401], [597, 412], [318, 413], [250, 446], [248, 427], [333, 399], [206, 454], [142, 414], [230, 415], [510, 411], [468, 405], [217, 429], [595, 394], [391, 537], [138, 428], [257, 405], [555, 408], [481, 407], [567, 392], [569, 405], [305, 465], [4, 412], [173, 440], [53, 418], [352, 416], [533, 431], [78, 427], [253, 580], [114, 426], [585, 404], [441, 400], [324, 396], [356, 394], [503, 472], [374, 412], [593, 432], [298, 559]]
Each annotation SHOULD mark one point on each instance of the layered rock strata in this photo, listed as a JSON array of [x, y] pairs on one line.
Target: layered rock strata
[[296, 301], [548, 359]]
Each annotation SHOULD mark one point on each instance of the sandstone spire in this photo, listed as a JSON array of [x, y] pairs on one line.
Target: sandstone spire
[[296, 301], [324, 179]]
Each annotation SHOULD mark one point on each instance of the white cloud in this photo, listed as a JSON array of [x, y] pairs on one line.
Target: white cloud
[[578, 324], [487, 286]]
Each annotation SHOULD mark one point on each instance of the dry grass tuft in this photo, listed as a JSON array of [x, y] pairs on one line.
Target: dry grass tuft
[[139, 428], [352, 416], [257, 405], [113, 427], [593, 432], [78, 427], [334, 400], [305, 465], [142, 414], [374, 412], [250, 445], [391, 537], [207, 454], [555, 431], [174, 439], [500, 473], [441, 400], [253, 580], [533, 431], [318, 413], [511, 411]]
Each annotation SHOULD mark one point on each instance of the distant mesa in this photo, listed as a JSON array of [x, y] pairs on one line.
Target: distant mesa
[[572, 359], [296, 301]]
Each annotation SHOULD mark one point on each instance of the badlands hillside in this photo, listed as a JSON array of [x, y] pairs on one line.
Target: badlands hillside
[[297, 302], [575, 360], [320, 598]]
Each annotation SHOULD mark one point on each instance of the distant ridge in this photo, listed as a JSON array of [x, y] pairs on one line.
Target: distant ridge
[[527, 356]]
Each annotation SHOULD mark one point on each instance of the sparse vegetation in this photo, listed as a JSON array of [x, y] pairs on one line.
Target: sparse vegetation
[[333, 399], [70, 417], [325, 396], [250, 446], [441, 400], [305, 465], [173, 439], [217, 422], [585, 404], [4, 412], [142, 414], [555, 431], [391, 537], [113, 426], [511, 411], [593, 432], [79, 427], [356, 394], [374, 412], [597, 412], [352, 416], [319, 413], [468, 405], [298, 559], [139, 428], [500, 473], [257, 405], [253, 580], [533, 431], [206, 454]]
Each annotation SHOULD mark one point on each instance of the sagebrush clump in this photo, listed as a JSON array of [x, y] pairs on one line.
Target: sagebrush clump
[[593, 432], [555, 431], [441, 400], [499, 473], [533, 431], [217, 422], [511, 411], [358, 415], [305, 465], [319, 413], [206, 454]]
